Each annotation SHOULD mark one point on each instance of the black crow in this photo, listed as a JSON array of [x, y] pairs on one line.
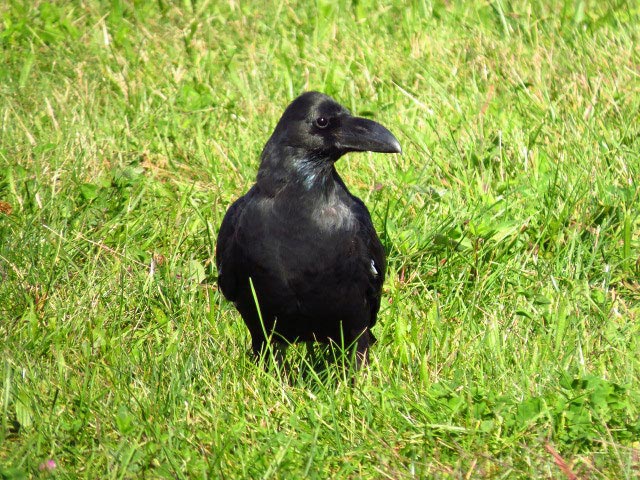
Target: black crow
[[304, 242]]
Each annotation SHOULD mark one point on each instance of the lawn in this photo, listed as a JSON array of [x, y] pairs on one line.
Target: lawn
[[509, 333]]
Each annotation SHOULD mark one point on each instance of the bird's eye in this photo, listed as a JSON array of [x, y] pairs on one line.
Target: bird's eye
[[322, 122]]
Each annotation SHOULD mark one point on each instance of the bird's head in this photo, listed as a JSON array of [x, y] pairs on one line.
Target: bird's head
[[315, 131]]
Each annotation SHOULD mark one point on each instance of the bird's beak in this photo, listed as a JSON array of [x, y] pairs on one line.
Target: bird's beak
[[358, 134]]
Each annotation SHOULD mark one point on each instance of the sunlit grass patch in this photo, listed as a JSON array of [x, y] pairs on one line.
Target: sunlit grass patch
[[508, 333]]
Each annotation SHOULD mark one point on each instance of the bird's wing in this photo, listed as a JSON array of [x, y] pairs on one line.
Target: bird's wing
[[228, 257], [375, 257]]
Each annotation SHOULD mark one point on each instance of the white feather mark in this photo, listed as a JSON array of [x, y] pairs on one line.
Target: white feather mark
[[373, 268]]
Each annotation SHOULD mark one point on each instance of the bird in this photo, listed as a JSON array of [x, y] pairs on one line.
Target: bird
[[298, 254]]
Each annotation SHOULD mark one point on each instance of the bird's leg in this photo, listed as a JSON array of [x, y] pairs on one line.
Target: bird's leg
[[258, 344], [312, 353], [269, 352], [278, 351], [362, 349]]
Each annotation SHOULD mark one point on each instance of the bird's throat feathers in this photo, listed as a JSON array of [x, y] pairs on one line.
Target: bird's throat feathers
[[313, 173], [295, 170]]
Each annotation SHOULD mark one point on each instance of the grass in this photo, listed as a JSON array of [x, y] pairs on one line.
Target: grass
[[509, 336]]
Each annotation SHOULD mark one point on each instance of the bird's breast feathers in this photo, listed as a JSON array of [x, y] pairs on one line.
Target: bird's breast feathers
[[332, 217], [303, 240], [319, 217]]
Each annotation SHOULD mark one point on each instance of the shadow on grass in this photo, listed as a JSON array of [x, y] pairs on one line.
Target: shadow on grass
[[311, 365]]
